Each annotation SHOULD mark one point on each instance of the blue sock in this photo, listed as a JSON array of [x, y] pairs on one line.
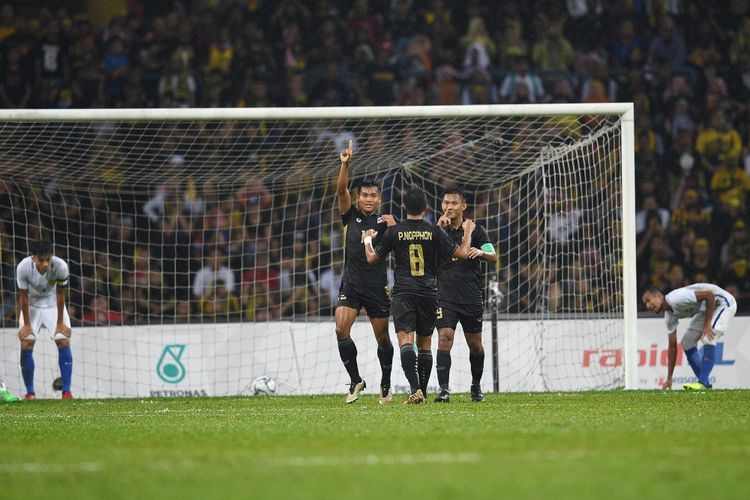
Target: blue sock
[[65, 361], [27, 369], [707, 363], [694, 359]]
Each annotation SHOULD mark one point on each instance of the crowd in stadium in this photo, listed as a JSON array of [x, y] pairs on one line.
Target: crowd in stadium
[[691, 96]]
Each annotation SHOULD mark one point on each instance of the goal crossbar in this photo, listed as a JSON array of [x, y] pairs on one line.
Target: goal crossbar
[[313, 113]]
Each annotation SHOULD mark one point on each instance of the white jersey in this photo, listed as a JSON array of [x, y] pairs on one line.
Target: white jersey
[[685, 305], [42, 287]]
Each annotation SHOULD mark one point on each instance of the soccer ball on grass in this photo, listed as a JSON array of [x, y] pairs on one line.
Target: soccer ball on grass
[[264, 386]]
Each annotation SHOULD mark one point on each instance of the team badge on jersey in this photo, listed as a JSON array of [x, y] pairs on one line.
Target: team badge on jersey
[[359, 220]]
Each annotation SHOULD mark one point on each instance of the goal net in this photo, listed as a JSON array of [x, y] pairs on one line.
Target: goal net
[[205, 245]]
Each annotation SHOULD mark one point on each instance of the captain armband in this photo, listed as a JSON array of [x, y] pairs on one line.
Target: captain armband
[[488, 247]]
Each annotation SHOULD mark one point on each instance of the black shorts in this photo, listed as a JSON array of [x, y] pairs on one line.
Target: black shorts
[[414, 313], [470, 316], [376, 301]]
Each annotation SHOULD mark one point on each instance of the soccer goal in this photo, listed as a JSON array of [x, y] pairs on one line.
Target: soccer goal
[[205, 245]]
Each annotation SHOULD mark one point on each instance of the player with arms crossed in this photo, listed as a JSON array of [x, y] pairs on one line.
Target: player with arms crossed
[[461, 297], [42, 279], [711, 309], [362, 285], [418, 248]]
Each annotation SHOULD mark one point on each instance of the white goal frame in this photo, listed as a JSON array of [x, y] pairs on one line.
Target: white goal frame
[[627, 149]]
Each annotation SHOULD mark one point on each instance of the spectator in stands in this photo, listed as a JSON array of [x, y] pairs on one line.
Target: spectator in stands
[[702, 268], [213, 272], [297, 292], [7, 275], [564, 221], [521, 85], [100, 314], [152, 298], [116, 63], [177, 87], [650, 205], [668, 47], [220, 304], [627, 41], [7, 22], [330, 282], [86, 72], [15, 82], [718, 143], [683, 249], [553, 52], [692, 213], [676, 277], [736, 277], [738, 245], [182, 311], [512, 45]]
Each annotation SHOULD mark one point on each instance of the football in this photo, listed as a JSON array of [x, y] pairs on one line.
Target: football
[[264, 386]]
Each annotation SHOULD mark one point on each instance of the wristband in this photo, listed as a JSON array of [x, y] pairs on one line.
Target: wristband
[[368, 239]]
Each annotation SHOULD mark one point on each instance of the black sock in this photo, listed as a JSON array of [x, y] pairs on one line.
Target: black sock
[[476, 360], [443, 367], [348, 353], [385, 355], [409, 364], [424, 362]]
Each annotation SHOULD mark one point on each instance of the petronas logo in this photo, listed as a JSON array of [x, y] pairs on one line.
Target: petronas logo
[[170, 369]]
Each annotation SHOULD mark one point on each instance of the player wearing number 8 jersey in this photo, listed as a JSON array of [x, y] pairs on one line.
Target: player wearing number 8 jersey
[[418, 248]]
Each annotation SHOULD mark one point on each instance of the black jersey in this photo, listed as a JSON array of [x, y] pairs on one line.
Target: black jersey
[[357, 271], [418, 248], [460, 281]]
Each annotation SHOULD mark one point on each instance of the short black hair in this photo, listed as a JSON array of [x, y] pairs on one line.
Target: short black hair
[[415, 201], [366, 183], [456, 190], [42, 248], [650, 289]]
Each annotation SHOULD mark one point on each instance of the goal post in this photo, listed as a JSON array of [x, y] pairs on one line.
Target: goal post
[[205, 244]]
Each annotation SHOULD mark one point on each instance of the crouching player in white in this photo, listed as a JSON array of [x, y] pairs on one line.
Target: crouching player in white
[[42, 279], [711, 309]]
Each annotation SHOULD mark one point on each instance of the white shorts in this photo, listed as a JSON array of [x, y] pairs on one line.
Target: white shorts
[[722, 316], [45, 317]]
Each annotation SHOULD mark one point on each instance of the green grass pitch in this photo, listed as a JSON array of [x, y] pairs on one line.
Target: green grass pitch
[[552, 445]]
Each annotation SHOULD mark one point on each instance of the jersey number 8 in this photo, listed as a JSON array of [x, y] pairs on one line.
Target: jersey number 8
[[416, 259]]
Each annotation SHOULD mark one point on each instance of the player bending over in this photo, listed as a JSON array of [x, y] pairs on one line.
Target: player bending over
[[42, 279], [711, 309], [461, 297], [362, 285], [418, 249]]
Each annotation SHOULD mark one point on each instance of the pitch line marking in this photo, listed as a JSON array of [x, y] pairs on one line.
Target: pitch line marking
[[34, 467], [372, 459]]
